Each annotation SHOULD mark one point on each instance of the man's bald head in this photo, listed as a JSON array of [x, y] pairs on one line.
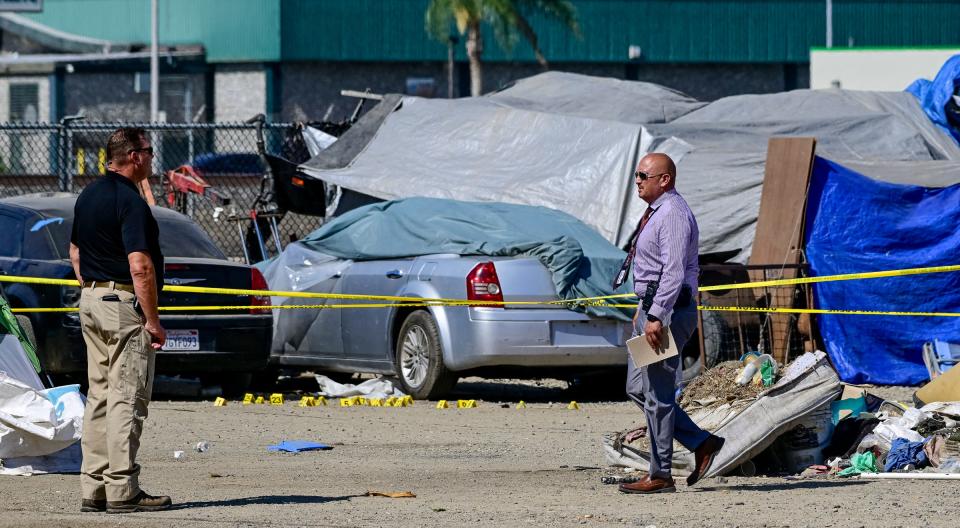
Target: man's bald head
[[656, 174], [660, 163]]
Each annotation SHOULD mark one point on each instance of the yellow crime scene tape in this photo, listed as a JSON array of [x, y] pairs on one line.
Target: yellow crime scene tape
[[398, 301], [833, 278]]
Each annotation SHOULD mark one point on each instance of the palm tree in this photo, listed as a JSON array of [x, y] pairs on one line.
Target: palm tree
[[509, 21]]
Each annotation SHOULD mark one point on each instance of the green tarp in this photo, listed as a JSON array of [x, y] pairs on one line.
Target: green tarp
[[582, 263]]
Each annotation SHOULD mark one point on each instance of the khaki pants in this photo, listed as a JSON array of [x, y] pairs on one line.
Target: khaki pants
[[120, 365]]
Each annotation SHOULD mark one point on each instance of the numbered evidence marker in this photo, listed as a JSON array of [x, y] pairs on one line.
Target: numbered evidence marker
[[219, 402], [276, 399], [259, 400], [466, 404], [307, 401], [443, 404], [247, 398], [522, 405], [574, 406]]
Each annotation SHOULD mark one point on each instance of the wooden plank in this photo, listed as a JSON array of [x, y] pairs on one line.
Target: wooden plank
[[779, 235]]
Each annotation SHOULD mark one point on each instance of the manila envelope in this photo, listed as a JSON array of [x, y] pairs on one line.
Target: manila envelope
[[642, 354]]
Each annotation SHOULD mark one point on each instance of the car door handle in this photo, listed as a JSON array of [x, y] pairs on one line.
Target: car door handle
[[394, 274]]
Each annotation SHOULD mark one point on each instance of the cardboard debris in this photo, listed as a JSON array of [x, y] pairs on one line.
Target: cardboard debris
[[391, 494]]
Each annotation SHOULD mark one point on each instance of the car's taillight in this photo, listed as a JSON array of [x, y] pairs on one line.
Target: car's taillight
[[483, 284], [257, 282]]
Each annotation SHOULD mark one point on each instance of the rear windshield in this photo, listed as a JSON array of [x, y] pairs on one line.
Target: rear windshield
[[178, 238]]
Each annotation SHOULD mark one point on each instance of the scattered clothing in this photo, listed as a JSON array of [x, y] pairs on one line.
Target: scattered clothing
[[934, 449], [297, 446], [902, 453], [847, 436], [861, 463]]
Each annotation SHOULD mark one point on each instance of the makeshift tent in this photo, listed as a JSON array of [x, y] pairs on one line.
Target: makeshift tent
[[17, 356], [855, 224], [552, 141]]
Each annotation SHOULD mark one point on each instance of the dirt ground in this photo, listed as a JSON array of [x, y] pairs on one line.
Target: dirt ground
[[539, 466]]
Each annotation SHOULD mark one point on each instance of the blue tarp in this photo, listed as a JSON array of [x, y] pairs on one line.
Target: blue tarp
[[934, 95], [855, 224], [581, 262]]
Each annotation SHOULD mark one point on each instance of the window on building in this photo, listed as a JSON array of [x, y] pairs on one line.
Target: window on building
[[24, 102]]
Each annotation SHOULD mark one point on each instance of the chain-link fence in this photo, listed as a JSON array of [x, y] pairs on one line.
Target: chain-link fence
[[727, 335], [39, 158]]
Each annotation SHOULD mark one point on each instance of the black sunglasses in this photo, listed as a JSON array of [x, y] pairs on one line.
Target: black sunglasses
[[643, 176], [148, 150]]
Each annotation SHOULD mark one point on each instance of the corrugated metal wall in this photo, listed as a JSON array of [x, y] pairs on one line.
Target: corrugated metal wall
[[677, 31], [230, 30], [879, 23]]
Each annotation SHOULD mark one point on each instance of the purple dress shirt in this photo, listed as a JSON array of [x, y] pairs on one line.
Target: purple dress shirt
[[667, 250]]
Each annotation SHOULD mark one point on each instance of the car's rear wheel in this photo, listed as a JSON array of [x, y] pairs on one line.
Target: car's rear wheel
[[419, 358]]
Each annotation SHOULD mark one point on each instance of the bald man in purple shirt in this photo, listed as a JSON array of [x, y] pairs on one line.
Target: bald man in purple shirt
[[665, 269]]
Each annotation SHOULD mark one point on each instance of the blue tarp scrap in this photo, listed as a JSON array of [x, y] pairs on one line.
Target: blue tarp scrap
[[856, 224], [297, 446], [934, 95]]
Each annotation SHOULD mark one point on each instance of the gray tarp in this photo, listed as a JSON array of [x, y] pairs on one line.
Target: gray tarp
[[570, 142]]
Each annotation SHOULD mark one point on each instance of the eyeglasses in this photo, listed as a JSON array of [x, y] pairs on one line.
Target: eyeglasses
[[148, 150], [643, 176]]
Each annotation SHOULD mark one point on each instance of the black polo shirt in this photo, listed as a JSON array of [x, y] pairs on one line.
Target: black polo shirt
[[110, 221]]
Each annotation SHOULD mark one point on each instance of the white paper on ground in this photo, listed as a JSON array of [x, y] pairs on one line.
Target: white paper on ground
[[374, 388]]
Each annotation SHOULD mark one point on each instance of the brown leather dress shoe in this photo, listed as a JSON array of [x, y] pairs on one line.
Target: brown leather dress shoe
[[704, 456], [141, 502], [649, 485], [93, 505]]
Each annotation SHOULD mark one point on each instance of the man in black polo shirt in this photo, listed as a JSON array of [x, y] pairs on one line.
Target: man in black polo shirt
[[115, 251]]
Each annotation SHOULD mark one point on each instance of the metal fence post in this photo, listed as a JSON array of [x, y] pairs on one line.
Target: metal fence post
[[65, 176]]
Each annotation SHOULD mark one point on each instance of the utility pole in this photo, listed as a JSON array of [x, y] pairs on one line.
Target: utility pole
[[829, 23], [154, 63]]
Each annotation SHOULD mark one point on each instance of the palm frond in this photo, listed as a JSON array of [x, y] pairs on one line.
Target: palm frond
[[442, 14]]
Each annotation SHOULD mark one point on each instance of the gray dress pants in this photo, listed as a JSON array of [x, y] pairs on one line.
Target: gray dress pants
[[654, 389]]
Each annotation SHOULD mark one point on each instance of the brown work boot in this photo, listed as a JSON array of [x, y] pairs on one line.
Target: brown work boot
[[93, 505], [704, 456], [141, 502], [649, 485]]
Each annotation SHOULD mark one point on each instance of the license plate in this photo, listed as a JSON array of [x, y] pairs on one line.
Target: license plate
[[182, 340]]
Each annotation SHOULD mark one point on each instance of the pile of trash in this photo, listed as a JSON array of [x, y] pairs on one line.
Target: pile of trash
[[720, 383], [894, 438]]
